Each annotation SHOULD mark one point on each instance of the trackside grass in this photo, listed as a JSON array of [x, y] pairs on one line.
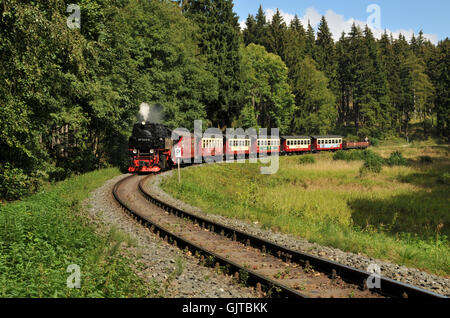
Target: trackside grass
[[401, 214], [43, 234]]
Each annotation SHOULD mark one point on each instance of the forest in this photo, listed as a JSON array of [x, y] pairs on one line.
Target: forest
[[69, 96]]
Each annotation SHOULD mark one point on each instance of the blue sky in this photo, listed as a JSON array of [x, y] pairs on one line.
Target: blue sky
[[396, 15]]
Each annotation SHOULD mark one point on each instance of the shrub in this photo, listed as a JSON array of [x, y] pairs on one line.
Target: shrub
[[58, 174], [353, 155], [374, 142], [445, 178], [425, 159], [308, 159], [371, 164], [396, 159], [14, 183], [339, 155]]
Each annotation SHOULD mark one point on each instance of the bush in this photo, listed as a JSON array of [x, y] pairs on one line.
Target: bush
[[339, 155], [371, 164], [445, 178], [374, 142], [396, 159], [308, 159], [353, 155], [425, 159], [14, 183], [58, 174]]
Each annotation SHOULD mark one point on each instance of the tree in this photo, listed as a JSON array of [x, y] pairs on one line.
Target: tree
[[267, 93], [310, 48], [219, 43], [440, 78], [261, 36], [324, 54], [294, 44], [250, 32], [276, 35], [315, 112]]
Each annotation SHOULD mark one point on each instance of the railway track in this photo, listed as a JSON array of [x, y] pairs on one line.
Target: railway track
[[274, 270]]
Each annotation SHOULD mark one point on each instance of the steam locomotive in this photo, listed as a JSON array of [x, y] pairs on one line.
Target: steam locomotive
[[151, 147]]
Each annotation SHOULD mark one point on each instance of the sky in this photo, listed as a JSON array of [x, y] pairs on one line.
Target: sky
[[396, 16]]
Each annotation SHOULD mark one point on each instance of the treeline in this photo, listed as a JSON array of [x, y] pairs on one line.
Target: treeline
[[69, 96], [368, 87]]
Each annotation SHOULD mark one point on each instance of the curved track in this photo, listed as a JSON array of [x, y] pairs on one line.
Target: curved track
[[273, 269]]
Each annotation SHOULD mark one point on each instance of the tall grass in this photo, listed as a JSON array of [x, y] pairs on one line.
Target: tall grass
[[393, 215], [43, 234]]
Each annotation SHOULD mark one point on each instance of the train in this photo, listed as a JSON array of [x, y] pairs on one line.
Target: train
[[151, 147]]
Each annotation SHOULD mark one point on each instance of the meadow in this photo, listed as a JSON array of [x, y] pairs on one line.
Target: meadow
[[401, 214], [43, 234]]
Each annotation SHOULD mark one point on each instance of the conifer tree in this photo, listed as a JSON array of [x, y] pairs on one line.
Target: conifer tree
[[310, 44], [261, 36], [277, 32], [250, 32], [219, 42], [325, 54], [294, 45]]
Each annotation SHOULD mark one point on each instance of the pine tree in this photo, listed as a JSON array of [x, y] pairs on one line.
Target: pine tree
[[295, 45], [376, 105], [250, 32], [261, 29], [219, 43], [442, 85], [325, 54], [277, 33], [310, 42]]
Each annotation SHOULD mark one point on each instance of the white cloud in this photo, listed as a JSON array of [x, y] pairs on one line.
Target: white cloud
[[338, 24]]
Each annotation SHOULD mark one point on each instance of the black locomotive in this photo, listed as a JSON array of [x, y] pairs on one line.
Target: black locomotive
[[149, 147]]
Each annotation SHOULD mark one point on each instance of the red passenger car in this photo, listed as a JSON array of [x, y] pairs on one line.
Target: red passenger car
[[238, 146], [207, 147], [295, 144], [326, 143], [267, 145]]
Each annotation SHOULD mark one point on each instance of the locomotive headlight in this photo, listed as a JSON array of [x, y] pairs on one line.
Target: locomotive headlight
[[152, 151], [135, 151]]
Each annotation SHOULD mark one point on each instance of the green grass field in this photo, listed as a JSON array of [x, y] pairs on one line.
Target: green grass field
[[43, 234], [401, 214]]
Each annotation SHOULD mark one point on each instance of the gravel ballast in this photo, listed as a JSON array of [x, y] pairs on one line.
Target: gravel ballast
[[404, 274], [176, 274]]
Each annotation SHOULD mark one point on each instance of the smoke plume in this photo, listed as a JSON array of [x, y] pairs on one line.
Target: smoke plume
[[153, 113]]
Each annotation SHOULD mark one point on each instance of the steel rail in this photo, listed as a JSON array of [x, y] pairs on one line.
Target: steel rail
[[267, 285], [388, 287]]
